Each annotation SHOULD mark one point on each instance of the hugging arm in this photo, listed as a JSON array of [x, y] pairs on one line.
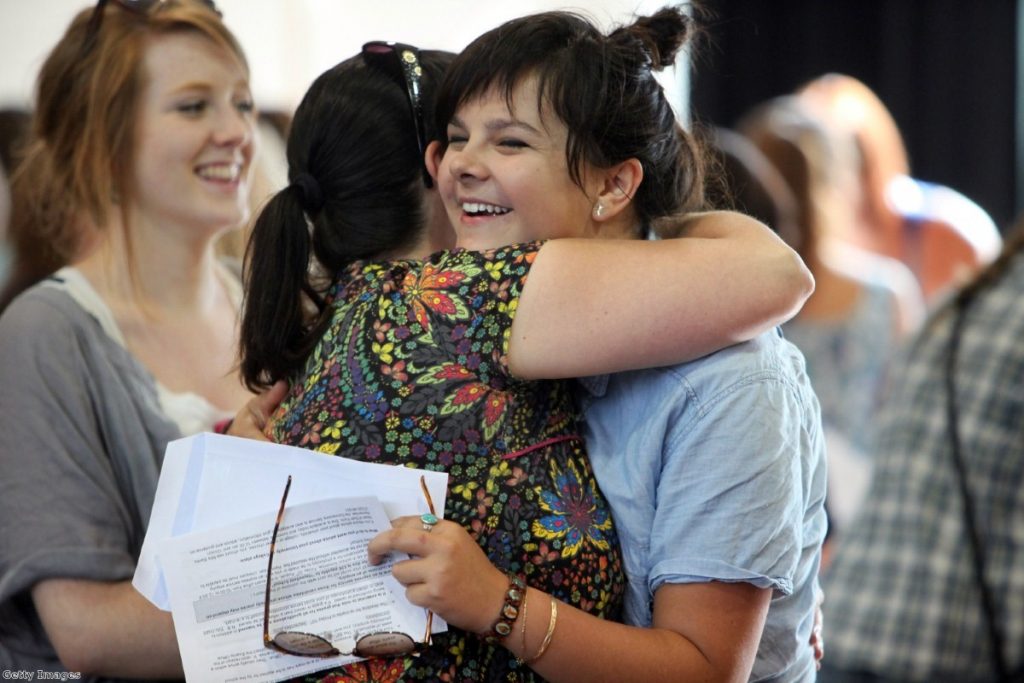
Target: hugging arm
[[706, 631], [751, 441], [701, 631], [638, 303]]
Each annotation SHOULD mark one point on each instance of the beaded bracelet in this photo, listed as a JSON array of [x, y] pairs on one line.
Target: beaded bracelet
[[509, 610]]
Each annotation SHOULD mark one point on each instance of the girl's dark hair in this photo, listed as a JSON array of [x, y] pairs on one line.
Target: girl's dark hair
[[355, 172], [603, 90]]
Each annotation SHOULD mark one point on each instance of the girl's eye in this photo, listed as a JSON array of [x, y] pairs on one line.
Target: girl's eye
[[513, 143], [457, 139], [245, 106], [192, 108]]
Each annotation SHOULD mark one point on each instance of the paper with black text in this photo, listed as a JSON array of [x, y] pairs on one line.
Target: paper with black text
[[212, 480], [322, 583]]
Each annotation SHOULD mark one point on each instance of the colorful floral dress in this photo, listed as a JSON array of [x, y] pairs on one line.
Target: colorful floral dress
[[413, 370]]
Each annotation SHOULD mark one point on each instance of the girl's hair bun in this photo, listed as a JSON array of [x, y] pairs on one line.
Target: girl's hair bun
[[662, 35]]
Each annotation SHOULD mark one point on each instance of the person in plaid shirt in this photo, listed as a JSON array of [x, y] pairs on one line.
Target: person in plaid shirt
[[902, 599]]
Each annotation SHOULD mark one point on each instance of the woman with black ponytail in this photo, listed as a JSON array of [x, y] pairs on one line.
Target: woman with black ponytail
[[400, 353], [356, 192]]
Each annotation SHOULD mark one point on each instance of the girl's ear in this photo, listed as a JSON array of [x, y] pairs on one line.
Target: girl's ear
[[432, 159], [618, 189]]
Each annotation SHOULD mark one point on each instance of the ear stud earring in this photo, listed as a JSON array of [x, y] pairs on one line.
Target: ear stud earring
[[598, 210]]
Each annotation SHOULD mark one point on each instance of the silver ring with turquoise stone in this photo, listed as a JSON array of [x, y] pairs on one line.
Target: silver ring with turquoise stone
[[429, 520]]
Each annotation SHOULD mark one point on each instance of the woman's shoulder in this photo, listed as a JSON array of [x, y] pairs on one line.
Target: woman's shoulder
[[519, 253], [446, 269], [43, 310], [50, 325], [46, 332], [366, 278]]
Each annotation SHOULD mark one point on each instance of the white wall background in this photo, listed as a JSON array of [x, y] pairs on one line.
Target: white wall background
[[290, 42]]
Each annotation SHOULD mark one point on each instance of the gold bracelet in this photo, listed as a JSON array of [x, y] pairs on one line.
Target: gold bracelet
[[547, 636], [522, 628]]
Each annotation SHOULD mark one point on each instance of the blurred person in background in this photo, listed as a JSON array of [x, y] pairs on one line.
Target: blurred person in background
[[940, 234], [743, 179], [14, 127], [863, 305], [927, 583]]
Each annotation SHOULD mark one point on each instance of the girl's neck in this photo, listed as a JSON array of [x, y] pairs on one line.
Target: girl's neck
[[170, 272]]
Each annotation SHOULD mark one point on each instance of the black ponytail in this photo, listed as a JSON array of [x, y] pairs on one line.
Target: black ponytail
[[356, 192], [274, 333]]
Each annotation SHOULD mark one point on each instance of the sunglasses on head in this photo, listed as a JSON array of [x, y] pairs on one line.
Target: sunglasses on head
[[402, 63], [141, 8], [301, 644]]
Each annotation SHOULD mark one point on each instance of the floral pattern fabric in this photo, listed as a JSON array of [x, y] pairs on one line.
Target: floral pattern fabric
[[413, 370]]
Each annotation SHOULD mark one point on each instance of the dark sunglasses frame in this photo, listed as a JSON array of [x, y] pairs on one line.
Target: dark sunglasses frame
[[300, 644], [402, 63]]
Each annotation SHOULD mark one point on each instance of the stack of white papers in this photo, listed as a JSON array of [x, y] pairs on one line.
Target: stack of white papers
[[205, 553]]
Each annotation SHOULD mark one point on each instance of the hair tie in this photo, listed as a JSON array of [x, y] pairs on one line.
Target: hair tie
[[311, 196]]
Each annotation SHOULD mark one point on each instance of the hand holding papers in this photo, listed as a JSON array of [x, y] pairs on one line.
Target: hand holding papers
[[210, 532]]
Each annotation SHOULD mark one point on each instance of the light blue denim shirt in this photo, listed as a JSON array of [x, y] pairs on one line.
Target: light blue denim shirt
[[715, 470]]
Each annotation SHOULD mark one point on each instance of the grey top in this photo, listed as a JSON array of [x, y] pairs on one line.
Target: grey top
[[82, 436]]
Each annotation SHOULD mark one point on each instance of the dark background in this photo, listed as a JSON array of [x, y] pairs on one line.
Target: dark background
[[946, 69]]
